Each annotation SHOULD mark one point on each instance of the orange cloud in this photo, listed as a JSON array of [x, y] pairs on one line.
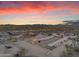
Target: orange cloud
[[33, 8]]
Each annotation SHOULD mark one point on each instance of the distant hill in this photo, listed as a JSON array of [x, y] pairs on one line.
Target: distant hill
[[59, 27]]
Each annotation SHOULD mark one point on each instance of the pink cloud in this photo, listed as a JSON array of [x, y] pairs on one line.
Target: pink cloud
[[32, 8]]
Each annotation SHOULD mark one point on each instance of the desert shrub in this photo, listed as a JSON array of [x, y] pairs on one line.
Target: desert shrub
[[21, 53], [68, 51]]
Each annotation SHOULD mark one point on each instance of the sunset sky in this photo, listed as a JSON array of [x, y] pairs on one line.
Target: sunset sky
[[40, 12]]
